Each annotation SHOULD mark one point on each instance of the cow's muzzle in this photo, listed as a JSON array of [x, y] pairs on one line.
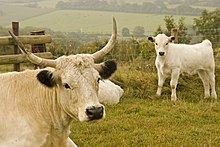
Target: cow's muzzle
[[94, 113], [161, 53]]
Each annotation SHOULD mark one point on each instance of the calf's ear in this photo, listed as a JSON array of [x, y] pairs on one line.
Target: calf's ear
[[151, 39], [106, 69], [46, 78], [171, 38]]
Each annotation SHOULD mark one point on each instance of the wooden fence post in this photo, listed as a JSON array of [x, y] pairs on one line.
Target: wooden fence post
[[15, 28], [37, 48], [174, 32]]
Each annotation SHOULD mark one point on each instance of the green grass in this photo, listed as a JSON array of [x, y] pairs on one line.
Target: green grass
[[141, 122], [97, 21]]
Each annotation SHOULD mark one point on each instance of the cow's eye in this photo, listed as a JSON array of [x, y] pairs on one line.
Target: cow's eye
[[66, 86], [156, 43], [167, 43]]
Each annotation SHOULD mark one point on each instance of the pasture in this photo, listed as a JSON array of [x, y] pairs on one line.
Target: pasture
[[17, 13], [142, 119], [97, 21]]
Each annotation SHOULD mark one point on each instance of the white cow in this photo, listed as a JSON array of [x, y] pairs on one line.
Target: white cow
[[174, 59], [37, 106]]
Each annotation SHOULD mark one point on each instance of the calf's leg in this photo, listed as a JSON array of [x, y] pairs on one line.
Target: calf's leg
[[161, 79], [205, 80], [173, 83], [211, 75]]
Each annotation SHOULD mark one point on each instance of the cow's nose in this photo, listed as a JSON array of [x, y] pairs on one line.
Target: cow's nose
[[94, 112], [161, 53]]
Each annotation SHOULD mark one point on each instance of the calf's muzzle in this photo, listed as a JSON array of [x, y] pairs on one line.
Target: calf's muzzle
[[161, 53]]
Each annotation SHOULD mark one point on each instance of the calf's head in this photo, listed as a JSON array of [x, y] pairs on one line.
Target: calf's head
[[76, 78], [161, 42]]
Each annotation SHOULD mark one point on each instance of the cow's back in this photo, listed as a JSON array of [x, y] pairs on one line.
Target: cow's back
[[190, 58]]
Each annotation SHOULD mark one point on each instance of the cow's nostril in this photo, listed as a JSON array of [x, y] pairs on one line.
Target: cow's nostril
[[161, 53], [94, 112]]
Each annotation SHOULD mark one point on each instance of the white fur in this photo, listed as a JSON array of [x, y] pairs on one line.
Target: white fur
[[109, 93], [183, 58]]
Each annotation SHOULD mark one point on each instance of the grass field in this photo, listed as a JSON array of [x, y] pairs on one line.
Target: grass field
[[140, 122], [17, 13], [97, 21], [141, 119]]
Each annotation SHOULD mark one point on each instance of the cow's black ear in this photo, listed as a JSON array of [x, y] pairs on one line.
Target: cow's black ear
[[151, 39], [45, 77], [108, 68]]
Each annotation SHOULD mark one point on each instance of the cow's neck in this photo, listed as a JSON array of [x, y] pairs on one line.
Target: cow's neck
[[60, 122], [47, 117]]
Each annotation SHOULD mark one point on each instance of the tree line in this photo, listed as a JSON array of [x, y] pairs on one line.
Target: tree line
[[156, 7], [207, 26]]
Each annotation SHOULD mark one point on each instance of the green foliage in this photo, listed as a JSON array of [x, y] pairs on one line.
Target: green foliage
[[169, 23], [158, 31], [130, 49], [208, 25], [182, 31]]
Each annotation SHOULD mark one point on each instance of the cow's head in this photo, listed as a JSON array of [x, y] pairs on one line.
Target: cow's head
[[161, 42], [76, 78]]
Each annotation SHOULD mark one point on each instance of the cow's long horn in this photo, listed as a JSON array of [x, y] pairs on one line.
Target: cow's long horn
[[30, 56], [108, 47]]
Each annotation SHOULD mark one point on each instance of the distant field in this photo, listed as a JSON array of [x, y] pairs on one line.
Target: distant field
[[9, 13], [97, 21]]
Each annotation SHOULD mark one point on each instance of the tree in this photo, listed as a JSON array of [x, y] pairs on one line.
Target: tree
[[208, 25], [182, 31], [169, 22], [139, 31], [125, 32], [158, 31]]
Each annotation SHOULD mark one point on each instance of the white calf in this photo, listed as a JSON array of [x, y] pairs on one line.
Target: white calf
[[175, 59]]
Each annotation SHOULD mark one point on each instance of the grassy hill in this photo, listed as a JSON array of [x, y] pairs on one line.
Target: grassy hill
[[9, 13], [96, 21]]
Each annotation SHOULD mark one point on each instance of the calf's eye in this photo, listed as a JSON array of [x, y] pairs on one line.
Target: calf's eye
[[156, 43], [167, 43]]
